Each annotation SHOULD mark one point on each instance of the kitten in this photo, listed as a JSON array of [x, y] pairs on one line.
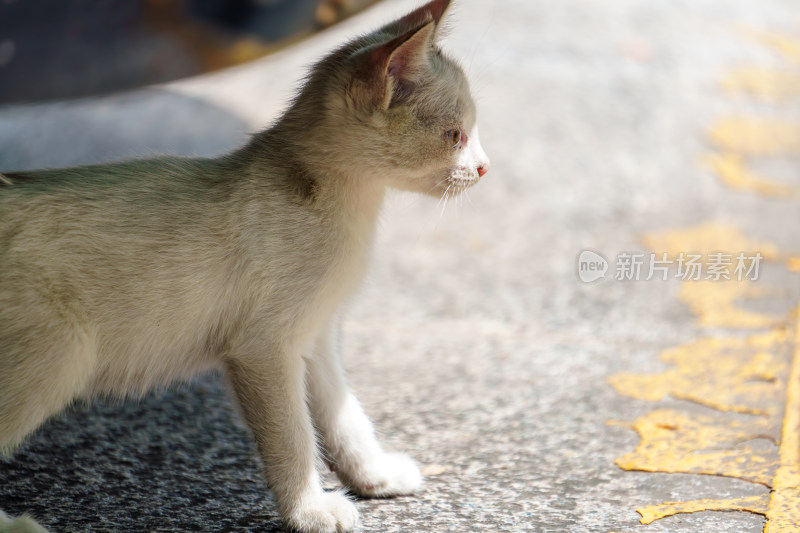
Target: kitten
[[118, 278]]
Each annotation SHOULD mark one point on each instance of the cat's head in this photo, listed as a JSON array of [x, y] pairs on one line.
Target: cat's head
[[392, 106]]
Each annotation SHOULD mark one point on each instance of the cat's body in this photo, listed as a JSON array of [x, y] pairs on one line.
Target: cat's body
[[118, 278]]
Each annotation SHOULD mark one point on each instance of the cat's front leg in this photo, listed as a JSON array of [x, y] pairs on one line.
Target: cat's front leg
[[272, 396], [353, 452]]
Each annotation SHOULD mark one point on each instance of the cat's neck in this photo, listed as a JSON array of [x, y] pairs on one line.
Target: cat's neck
[[320, 180]]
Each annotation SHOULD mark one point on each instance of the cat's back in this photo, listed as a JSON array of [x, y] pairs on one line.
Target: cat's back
[[102, 198], [128, 180]]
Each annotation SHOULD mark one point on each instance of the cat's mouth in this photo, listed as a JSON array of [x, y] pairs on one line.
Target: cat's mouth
[[459, 184], [453, 182], [461, 179]]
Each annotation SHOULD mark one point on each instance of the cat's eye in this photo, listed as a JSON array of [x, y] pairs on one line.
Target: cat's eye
[[453, 137]]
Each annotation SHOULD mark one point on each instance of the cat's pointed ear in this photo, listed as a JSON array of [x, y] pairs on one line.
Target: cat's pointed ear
[[405, 58], [435, 9], [392, 69], [408, 52]]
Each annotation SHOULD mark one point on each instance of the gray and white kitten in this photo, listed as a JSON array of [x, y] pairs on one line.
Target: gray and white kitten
[[118, 278]]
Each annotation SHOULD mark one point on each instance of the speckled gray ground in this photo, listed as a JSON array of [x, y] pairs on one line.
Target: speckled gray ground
[[473, 345]]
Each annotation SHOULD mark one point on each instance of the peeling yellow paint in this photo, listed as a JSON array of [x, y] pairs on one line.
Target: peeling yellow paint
[[730, 372], [741, 137], [789, 47], [676, 442], [752, 504], [783, 514], [714, 303], [727, 373], [707, 238], [745, 377], [769, 84], [732, 170], [756, 136]]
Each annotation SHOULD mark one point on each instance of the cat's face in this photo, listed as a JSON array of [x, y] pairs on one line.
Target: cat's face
[[396, 108], [433, 132]]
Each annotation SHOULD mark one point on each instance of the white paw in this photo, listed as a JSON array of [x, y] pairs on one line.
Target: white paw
[[330, 512], [392, 474]]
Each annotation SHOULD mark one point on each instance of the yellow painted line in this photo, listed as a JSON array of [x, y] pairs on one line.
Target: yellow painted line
[[707, 238], [763, 83], [745, 378], [714, 304], [679, 443], [728, 372], [787, 46], [752, 504], [732, 171], [783, 513], [714, 301], [756, 136]]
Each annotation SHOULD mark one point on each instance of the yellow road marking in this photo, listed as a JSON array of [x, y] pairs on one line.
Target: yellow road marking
[[729, 373], [739, 138], [733, 374], [756, 136], [767, 84], [752, 504], [707, 238], [745, 377], [732, 171], [783, 513], [675, 442], [788, 47], [714, 303]]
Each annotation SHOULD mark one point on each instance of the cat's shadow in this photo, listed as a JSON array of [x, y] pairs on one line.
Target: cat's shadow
[[175, 461]]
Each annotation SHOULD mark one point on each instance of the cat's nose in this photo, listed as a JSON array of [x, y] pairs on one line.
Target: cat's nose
[[483, 169]]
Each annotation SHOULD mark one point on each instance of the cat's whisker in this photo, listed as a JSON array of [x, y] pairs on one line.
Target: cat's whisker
[[466, 193], [437, 185], [446, 197], [441, 199]]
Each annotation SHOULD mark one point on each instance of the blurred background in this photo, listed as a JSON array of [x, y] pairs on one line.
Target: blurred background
[[70, 48]]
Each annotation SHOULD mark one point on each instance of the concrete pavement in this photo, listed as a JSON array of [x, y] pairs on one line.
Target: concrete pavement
[[533, 401]]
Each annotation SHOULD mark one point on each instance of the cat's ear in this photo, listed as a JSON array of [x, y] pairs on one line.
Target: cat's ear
[[403, 62], [405, 56], [434, 9], [396, 66]]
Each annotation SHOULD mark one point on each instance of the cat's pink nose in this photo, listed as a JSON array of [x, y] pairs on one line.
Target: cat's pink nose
[[483, 169]]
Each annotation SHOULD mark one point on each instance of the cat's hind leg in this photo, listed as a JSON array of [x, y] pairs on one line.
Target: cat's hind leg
[[352, 450], [46, 361]]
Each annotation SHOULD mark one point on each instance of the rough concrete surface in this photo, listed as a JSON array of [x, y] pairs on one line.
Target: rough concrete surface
[[473, 346]]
